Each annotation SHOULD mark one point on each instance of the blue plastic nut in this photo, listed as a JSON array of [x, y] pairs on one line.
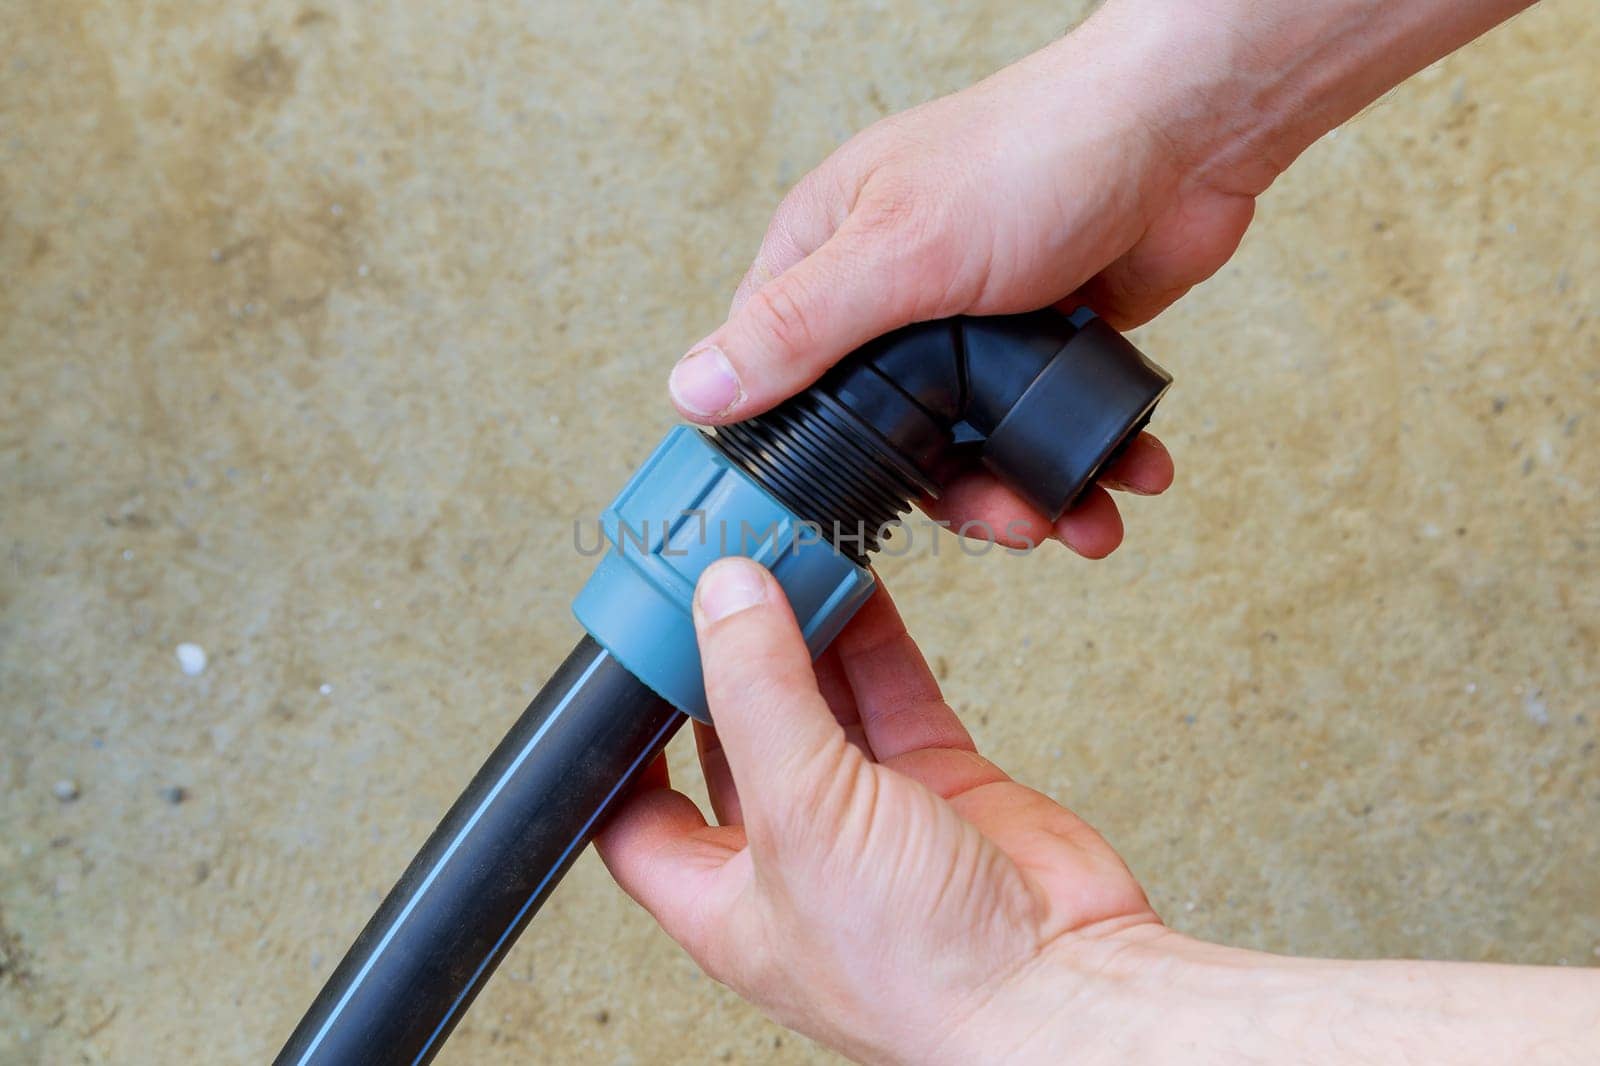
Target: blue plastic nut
[[687, 506]]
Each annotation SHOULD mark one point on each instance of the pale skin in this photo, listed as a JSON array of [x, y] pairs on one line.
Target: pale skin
[[868, 878]]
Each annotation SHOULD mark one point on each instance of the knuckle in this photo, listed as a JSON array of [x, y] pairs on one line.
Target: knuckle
[[891, 204], [782, 311], [918, 219], [823, 788], [750, 686], [805, 200], [792, 219]]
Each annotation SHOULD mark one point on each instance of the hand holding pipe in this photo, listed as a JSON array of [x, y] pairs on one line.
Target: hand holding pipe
[[1044, 401]]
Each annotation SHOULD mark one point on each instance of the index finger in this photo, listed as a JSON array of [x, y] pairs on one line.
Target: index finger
[[902, 709]]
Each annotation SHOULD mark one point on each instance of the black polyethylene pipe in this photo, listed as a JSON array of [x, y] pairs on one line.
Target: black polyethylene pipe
[[486, 869]]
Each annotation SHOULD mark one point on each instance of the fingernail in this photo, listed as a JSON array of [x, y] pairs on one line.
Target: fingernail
[[703, 383], [729, 586], [1118, 485]]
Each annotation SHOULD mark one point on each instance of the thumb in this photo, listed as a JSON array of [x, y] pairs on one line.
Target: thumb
[[788, 754], [792, 329]]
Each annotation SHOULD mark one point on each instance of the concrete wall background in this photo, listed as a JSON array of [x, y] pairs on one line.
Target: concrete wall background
[[322, 322]]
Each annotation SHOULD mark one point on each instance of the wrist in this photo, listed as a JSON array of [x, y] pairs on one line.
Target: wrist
[[1146, 994], [1138, 994], [1170, 76], [1246, 86]]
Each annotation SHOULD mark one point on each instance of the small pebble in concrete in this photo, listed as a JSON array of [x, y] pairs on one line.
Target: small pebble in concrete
[[191, 659], [1534, 707], [175, 794], [325, 688], [66, 790]]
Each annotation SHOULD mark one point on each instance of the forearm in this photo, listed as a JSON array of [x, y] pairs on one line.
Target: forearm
[[1157, 997], [1449, 1012], [1247, 85]]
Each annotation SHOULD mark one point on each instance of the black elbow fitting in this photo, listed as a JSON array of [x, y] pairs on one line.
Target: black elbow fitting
[[1042, 400]]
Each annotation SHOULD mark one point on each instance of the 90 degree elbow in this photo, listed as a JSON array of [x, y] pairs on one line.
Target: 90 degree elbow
[[1042, 400]]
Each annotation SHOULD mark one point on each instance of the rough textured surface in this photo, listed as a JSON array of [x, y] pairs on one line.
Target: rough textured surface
[[320, 325]]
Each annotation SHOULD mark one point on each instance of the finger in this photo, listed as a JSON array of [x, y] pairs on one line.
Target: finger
[[834, 685], [653, 776], [1179, 251], [1121, 298], [949, 773], [1093, 528], [661, 852], [901, 706], [790, 330], [803, 222], [976, 505], [789, 757], [1144, 469], [720, 788], [835, 689]]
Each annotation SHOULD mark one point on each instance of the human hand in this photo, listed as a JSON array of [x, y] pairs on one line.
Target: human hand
[[1116, 167], [876, 884], [1051, 182], [873, 882]]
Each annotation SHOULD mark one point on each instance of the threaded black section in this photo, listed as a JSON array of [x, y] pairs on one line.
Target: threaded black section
[[823, 468]]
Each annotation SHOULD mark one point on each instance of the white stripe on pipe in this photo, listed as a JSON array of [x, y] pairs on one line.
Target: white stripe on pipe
[[388, 936]]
